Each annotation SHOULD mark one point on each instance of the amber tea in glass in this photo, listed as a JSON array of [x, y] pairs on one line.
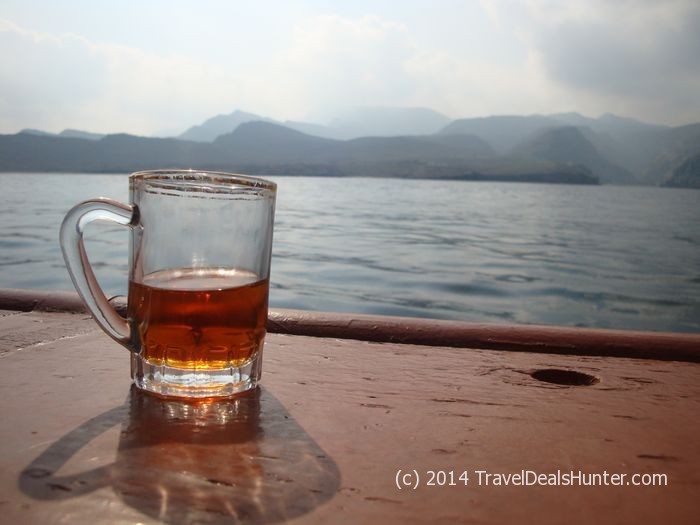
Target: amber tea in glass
[[207, 318], [200, 248]]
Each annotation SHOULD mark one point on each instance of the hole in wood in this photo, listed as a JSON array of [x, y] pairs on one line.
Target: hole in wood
[[564, 377]]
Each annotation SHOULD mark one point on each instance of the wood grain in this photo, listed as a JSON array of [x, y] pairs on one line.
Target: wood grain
[[334, 421]]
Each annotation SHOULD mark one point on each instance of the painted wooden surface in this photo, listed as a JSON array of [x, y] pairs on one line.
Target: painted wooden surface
[[335, 420], [430, 332]]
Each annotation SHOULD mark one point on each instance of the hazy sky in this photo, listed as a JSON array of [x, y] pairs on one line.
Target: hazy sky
[[159, 66]]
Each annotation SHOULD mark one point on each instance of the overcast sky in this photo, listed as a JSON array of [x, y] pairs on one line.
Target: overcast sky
[[159, 66]]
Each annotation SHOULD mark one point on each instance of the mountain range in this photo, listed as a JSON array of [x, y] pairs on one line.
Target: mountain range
[[352, 124], [399, 142]]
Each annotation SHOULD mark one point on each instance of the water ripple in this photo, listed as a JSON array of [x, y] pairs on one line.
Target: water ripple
[[610, 257]]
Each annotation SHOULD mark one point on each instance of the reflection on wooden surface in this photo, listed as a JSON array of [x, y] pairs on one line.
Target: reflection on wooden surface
[[243, 459]]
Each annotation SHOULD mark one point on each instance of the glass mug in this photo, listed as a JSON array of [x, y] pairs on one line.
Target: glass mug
[[199, 271]]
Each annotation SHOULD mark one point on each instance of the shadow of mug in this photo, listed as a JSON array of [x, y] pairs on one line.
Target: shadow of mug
[[241, 459]]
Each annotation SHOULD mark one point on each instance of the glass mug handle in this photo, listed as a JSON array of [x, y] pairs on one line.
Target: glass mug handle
[[81, 273]]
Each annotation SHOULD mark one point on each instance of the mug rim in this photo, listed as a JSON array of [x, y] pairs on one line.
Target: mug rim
[[219, 177]]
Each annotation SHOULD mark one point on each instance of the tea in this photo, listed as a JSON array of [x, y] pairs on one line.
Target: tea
[[199, 318]]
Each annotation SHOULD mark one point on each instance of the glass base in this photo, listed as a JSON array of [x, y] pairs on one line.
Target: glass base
[[168, 381]]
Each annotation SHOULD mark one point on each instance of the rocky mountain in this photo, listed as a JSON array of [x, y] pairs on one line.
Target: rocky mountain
[[669, 149], [617, 149], [568, 145], [112, 153], [317, 130], [214, 127], [623, 141], [67, 133], [78, 134], [503, 132], [687, 175], [358, 122], [265, 142], [37, 132], [262, 147], [630, 150], [607, 124], [386, 122]]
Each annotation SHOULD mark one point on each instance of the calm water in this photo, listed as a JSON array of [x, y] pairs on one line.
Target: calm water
[[527, 253]]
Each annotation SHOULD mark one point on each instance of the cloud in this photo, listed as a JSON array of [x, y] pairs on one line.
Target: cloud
[[635, 57], [335, 62], [57, 81], [332, 63], [41, 72]]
